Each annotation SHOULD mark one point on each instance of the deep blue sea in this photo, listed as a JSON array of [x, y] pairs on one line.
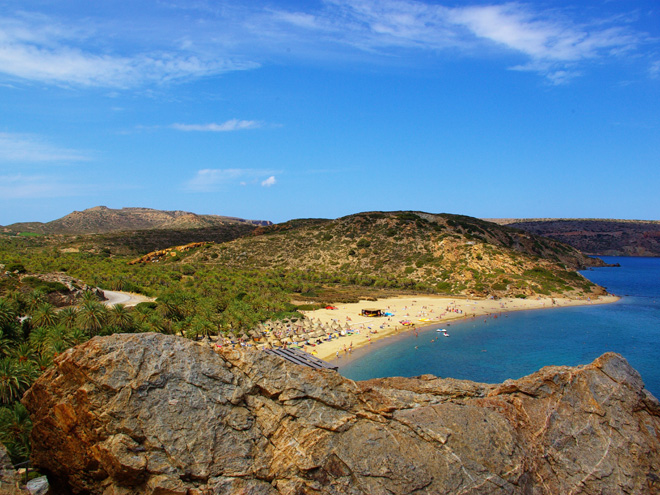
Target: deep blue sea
[[524, 341]]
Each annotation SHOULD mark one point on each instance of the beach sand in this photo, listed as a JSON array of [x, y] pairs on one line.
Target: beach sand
[[421, 311]]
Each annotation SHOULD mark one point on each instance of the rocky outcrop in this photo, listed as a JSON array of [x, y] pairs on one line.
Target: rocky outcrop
[[101, 219], [67, 292], [598, 236], [9, 478], [156, 414], [156, 256]]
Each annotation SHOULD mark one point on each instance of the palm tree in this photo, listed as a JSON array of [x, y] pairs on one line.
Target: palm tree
[[43, 361], [13, 381], [200, 326], [8, 313], [15, 427], [92, 317], [89, 296], [44, 316], [77, 336], [23, 352], [39, 338], [58, 347], [34, 299], [5, 344], [122, 317], [68, 316]]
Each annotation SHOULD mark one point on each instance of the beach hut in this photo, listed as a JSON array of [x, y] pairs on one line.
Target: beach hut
[[371, 312]]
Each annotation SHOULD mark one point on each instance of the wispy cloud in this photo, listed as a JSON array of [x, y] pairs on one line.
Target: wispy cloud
[[212, 39], [209, 180], [35, 50], [553, 43], [32, 149], [654, 69], [229, 125]]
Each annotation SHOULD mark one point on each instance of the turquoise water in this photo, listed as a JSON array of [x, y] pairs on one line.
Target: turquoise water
[[521, 342]]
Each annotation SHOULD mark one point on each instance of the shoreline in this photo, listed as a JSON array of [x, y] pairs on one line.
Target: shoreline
[[421, 311]]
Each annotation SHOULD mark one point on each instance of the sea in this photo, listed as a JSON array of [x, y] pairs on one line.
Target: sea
[[516, 344]]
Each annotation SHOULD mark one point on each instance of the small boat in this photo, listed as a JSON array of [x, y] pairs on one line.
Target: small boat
[[443, 330]]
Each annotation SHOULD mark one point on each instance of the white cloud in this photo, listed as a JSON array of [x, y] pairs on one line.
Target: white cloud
[[210, 39], [541, 35], [230, 125], [209, 180], [552, 43], [35, 50], [27, 148], [270, 181]]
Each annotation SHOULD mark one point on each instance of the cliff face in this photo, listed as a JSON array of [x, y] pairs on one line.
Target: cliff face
[[148, 413], [599, 237]]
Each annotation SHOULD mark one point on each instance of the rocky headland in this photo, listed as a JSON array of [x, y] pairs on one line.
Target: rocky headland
[[157, 414]]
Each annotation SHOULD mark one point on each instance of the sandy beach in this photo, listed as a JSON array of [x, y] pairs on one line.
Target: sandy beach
[[419, 311]]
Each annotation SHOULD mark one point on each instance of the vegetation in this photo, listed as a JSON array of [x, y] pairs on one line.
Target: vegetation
[[271, 272]]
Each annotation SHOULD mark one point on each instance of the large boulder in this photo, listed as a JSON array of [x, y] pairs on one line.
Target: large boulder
[[156, 414]]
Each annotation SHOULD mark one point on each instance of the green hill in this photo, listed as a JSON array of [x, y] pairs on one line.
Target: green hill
[[435, 253]]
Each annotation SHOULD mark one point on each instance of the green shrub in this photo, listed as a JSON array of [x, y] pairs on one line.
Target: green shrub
[[443, 286], [309, 307], [15, 268], [146, 305], [44, 285]]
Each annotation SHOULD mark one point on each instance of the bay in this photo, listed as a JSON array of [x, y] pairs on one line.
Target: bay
[[516, 344]]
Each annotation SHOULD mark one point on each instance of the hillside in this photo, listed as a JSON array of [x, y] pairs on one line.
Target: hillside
[[438, 253], [595, 236], [140, 242], [101, 219]]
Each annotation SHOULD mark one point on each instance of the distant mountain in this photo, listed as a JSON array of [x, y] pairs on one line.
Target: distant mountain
[[448, 253], [596, 236], [100, 219]]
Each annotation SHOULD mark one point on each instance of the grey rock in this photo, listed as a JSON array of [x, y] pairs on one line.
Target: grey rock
[[38, 486]]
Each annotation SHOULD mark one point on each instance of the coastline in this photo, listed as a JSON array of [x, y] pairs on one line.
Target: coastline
[[421, 311]]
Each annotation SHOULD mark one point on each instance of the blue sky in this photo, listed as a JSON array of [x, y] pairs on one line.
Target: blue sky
[[289, 109]]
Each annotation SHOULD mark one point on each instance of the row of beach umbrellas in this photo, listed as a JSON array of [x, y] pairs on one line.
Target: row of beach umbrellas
[[278, 332]]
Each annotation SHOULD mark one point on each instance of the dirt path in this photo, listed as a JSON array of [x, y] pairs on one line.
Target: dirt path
[[125, 298]]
